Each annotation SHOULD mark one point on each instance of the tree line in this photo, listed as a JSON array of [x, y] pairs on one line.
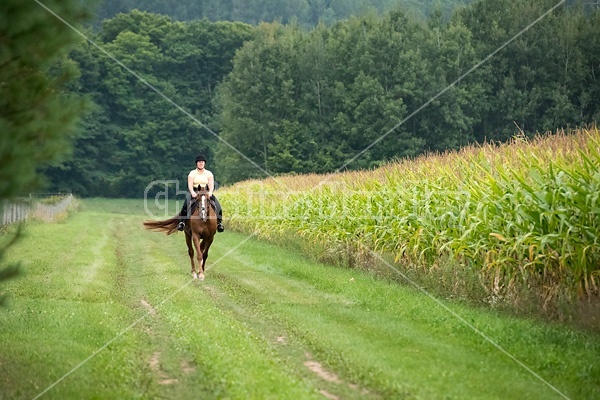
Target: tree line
[[307, 13], [282, 99]]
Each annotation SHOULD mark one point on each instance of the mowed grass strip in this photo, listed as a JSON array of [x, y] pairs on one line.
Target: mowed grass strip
[[389, 341], [100, 278], [67, 305], [266, 323]]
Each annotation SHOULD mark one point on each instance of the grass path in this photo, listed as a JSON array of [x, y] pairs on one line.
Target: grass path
[[106, 310]]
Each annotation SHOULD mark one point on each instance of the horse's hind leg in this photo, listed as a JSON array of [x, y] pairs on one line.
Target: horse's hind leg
[[188, 241]]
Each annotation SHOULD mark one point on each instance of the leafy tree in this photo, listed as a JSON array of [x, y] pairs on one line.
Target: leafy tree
[[317, 100], [37, 117], [250, 99], [589, 89], [536, 80], [134, 135]]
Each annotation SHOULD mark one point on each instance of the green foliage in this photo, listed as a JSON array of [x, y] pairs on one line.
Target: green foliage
[[343, 89], [306, 12], [134, 135], [372, 88], [279, 99], [525, 216], [536, 81], [37, 116]]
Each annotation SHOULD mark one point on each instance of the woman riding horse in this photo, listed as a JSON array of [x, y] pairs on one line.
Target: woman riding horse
[[200, 231], [202, 220], [199, 178]]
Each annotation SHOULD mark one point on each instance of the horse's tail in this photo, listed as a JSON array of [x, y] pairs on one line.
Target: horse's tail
[[167, 225]]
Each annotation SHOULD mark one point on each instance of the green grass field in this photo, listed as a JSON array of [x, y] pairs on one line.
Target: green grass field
[[105, 309]]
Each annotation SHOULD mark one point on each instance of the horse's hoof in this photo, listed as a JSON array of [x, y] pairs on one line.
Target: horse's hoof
[[201, 276], [194, 275]]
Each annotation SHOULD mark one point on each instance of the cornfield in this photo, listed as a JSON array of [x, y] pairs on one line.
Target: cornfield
[[525, 213]]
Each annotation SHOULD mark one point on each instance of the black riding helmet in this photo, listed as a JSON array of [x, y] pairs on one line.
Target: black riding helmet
[[200, 157]]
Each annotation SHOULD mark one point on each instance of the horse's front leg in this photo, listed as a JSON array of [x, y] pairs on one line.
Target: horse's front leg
[[205, 246], [196, 240], [188, 241]]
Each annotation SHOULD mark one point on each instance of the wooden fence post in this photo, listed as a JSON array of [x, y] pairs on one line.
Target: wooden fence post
[[13, 212]]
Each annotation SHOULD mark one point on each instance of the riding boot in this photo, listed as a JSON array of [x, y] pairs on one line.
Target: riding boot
[[219, 211], [182, 216]]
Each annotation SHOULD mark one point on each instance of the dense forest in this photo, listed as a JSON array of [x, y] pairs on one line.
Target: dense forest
[[307, 13], [278, 98]]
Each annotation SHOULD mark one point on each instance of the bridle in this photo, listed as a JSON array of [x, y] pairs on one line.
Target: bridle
[[202, 203], [203, 208]]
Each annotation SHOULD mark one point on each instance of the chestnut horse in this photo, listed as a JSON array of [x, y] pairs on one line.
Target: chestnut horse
[[200, 229]]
